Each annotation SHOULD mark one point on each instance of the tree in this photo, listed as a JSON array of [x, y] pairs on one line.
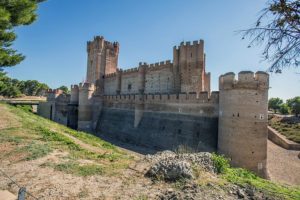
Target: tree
[[14, 13], [14, 88], [294, 104], [278, 28], [275, 103], [284, 109], [65, 89]]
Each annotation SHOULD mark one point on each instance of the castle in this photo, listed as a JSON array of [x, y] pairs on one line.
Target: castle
[[168, 104]]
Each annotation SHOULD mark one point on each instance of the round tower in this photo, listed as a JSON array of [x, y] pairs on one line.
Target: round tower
[[85, 113], [243, 119]]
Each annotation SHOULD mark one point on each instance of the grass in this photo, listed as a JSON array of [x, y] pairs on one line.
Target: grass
[[38, 137], [288, 128], [36, 150], [80, 170], [244, 177]]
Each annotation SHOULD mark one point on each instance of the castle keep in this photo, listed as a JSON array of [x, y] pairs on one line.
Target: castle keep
[[168, 104]]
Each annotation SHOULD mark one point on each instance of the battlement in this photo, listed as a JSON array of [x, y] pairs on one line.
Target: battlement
[[188, 43], [99, 42], [203, 97], [54, 91], [246, 80], [111, 75], [74, 87], [159, 65], [131, 70], [86, 86]]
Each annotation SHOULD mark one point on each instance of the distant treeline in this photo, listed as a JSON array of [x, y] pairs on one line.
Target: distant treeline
[[292, 106], [15, 88]]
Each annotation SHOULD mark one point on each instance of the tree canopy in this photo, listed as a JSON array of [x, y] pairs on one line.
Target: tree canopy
[[65, 89], [275, 103], [15, 88], [14, 13], [294, 104], [278, 29]]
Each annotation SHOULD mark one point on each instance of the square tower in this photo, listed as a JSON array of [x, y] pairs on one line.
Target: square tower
[[189, 68], [102, 59]]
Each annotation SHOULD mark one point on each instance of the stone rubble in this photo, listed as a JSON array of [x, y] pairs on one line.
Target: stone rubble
[[171, 166]]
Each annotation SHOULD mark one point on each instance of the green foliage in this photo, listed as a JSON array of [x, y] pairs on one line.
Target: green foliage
[[80, 170], [244, 177], [294, 104], [15, 88], [288, 126], [26, 108], [275, 103], [221, 163], [278, 29], [65, 89], [36, 150], [14, 13], [284, 109]]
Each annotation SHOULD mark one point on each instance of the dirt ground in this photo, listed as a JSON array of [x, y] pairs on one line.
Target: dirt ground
[[283, 165], [129, 183]]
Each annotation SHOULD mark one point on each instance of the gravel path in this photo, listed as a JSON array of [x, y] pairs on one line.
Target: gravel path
[[283, 165]]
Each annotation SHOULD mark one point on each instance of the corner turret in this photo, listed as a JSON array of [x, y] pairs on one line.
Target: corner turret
[[243, 119]]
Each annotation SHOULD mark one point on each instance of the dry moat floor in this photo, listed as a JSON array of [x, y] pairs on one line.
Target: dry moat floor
[[55, 162]]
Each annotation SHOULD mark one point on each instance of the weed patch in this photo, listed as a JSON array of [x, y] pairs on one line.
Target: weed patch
[[244, 177]]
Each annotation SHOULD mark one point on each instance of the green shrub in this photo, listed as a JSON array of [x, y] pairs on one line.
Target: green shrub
[[26, 108], [221, 163]]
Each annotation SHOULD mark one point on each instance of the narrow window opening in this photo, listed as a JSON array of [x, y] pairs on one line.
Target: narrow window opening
[[129, 86]]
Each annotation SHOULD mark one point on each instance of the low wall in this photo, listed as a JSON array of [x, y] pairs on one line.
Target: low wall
[[280, 140]]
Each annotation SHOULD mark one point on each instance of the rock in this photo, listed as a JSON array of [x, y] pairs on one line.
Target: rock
[[171, 170], [250, 191], [240, 193], [202, 159]]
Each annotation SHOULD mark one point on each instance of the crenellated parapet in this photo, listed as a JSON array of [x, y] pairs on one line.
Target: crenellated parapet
[[130, 70], [159, 65], [52, 94], [86, 86], [111, 75], [246, 80], [74, 94], [188, 44], [186, 98]]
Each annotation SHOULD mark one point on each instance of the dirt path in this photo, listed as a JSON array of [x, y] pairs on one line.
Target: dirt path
[[283, 165]]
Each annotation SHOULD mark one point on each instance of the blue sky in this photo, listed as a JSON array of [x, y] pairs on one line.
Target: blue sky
[[147, 30]]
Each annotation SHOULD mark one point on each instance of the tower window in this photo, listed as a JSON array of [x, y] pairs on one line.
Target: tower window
[[129, 86], [191, 55]]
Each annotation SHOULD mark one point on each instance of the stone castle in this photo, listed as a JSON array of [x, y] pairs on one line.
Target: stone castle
[[167, 105]]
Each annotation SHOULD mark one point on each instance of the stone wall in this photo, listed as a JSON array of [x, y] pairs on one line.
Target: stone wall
[[159, 78], [162, 121], [110, 84], [129, 81]]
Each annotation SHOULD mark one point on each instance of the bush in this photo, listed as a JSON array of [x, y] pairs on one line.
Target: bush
[[221, 163], [284, 109]]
